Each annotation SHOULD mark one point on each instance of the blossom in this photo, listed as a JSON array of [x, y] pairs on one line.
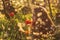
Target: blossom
[[26, 32], [28, 21], [11, 14]]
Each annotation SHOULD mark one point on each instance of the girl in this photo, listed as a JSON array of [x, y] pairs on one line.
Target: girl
[[42, 25]]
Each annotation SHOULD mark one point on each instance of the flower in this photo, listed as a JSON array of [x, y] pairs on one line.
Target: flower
[[26, 32], [11, 14], [28, 21]]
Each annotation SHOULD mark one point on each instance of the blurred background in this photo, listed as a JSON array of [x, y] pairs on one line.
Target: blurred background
[[16, 17]]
